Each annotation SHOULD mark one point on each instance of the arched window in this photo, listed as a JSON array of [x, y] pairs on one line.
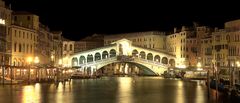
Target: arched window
[[27, 48], [104, 55], [82, 60], [164, 60], [23, 48], [31, 50], [112, 53], [135, 53], [97, 56], [15, 47], [90, 58], [142, 54], [20, 48], [65, 47], [70, 47], [149, 56]]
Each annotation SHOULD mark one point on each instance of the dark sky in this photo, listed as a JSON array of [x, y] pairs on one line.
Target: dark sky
[[78, 18]]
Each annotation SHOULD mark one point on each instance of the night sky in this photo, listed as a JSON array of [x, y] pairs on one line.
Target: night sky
[[78, 18]]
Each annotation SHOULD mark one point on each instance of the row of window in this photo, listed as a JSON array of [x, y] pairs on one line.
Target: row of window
[[24, 48], [22, 34], [150, 46], [28, 18], [174, 36], [144, 39], [70, 47]]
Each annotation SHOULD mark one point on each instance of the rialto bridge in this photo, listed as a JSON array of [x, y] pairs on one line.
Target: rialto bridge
[[153, 61]]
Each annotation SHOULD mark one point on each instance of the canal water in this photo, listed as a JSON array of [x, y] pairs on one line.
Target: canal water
[[111, 90]]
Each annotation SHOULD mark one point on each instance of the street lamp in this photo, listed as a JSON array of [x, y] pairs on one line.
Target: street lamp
[[199, 66], [238, 65], [36, 61], [29, 60]]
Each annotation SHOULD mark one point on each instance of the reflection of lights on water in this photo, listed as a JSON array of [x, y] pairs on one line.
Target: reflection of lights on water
[[30, 94], [180, 93], [126, 68], [125, 88], [200, 93]]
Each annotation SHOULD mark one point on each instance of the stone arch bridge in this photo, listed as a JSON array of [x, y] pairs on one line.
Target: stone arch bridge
[[122, 51]]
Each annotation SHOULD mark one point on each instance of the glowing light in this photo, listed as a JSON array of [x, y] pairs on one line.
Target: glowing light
[[29, 59], [36, 60], [199, 65], [2, 21], [126, 68], [181, 66], [60, 62], [238, 65], [126, 47], [199, 69], [30, 95], [125, 89]]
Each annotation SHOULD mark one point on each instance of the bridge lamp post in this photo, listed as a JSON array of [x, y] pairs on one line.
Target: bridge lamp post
[[238, 65], [199, 66], [60, 65], [36, 61], [52, 59], [29, 61]]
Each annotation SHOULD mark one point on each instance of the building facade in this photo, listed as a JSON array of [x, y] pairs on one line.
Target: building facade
[[45, 45], [68, 49], [182, 44], [5, 38], [57, 48], [151, 39], [24, 41], [88, 43]]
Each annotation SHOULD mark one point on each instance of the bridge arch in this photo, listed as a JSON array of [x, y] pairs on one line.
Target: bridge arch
[[146, 69], [150, 56], [104, 55], [74, 61], [165, 60], [157, 58], [89, 58], [142, 55], [97, 56], [112, 53], [172, 62], [82, 60], [135, 53]]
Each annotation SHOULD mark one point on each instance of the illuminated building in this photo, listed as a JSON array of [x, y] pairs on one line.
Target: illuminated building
[[5, 38], [150, 39], [88, 43], [45, 44], [24, 42], [57, 46], [187, 44], [177, 45], [67, 50]]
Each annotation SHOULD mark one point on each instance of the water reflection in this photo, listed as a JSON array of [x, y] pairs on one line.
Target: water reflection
[[31, 94], [125, 90], [109, 90], [180, 93]]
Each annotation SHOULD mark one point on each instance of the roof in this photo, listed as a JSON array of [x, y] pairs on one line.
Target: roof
[[22, 13]]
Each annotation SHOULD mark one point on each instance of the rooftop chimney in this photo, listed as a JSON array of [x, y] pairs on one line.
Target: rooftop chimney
[[175, 29]]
